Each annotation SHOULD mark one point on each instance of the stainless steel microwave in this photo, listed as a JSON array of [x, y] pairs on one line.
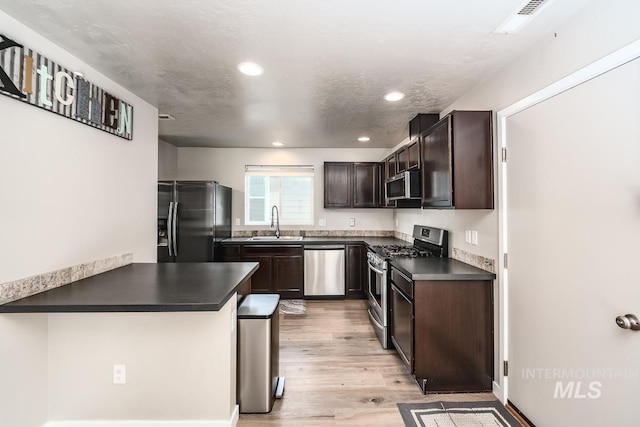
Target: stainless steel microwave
[[403, 186]]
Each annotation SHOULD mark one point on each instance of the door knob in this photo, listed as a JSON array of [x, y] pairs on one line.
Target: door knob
[[628, 321]]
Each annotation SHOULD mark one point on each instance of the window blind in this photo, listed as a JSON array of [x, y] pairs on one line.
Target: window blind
[[290, 188]]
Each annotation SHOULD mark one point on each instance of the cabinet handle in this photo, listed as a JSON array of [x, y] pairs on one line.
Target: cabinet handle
[[628, 321]]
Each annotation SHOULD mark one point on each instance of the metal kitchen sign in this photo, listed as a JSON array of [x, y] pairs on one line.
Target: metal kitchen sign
[[32, 78]]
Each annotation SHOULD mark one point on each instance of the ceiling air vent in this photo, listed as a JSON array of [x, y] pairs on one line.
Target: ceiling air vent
[[531, 7], [163, 116], [521, 16]]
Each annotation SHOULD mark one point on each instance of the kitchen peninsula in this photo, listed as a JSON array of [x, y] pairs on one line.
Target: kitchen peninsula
[[172, 326]]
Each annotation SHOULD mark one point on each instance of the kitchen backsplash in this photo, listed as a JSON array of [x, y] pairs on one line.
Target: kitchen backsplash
[[11, 291], [316, 233], [479, 261]]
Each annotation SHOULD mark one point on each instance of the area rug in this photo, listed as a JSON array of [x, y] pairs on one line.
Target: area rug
[[293, 306], [457, 414]]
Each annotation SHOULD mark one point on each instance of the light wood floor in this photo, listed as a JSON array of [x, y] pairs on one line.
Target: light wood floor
[[337, 374]]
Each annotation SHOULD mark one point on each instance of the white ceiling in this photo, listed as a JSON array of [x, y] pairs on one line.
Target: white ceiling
[[327, 63]]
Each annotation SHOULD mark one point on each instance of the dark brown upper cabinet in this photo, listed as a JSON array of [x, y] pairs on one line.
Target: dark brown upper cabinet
[[421, 123], [387, 170], [403, 159], [457, 162], [413, 151], [409, 156], [351, 185]]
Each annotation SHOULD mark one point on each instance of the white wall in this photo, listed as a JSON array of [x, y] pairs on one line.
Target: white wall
[[73, 193], [70, 194], [226, 165], [167, 161]]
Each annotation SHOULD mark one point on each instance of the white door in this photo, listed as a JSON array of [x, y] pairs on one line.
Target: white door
[[573, 233]]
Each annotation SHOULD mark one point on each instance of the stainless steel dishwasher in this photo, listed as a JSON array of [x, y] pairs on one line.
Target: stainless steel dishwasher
[[324, 271]]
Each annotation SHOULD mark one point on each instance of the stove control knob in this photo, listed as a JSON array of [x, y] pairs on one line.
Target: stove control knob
[[628, 321]]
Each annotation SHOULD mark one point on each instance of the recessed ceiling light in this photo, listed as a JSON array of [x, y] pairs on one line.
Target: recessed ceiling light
[[394, 96], [250, 68], [364, 139], [163, 116], [277, 144]]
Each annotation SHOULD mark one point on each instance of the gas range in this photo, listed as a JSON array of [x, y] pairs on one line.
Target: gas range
[[428, 242], [392, 251]]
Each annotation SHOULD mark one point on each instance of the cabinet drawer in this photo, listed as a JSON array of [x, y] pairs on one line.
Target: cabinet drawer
[[272, 250], [231, 250], [402, 282]]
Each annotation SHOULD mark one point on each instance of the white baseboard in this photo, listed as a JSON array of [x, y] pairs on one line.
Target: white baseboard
[[232, 422]]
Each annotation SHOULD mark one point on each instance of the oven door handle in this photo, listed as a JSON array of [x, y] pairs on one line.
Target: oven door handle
[[373, 319], [371, 267]]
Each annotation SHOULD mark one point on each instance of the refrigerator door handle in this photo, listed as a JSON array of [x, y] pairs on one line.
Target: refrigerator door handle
[[169, 229], [174, 225]]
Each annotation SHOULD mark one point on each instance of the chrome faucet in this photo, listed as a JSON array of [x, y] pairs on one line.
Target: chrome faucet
[[277, 223]]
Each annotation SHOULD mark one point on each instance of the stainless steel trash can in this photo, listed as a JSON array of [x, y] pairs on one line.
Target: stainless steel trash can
[[258, 353]]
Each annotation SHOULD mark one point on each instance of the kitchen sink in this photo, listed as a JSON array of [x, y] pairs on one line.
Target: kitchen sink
[[274, 238]]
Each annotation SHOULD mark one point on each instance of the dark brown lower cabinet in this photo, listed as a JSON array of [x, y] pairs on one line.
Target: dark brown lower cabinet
[[288, 274], [402, 329], [261, 279], [356, 274], [280, 271], [453, 335], [443, 331]]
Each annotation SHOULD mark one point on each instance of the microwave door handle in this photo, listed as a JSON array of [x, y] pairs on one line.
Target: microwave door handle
[[407, 185], [174, 224]]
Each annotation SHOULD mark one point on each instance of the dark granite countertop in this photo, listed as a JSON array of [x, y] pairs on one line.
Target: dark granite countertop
[[439, 269], [203, 286], [415, 268], [367, 240]]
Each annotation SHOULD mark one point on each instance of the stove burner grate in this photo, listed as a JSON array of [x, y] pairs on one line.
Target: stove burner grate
[[391, 251]]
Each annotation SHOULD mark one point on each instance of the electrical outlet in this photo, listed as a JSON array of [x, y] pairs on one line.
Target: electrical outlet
[[397, 222], [322, 223], [474, 237], [237, 221], [119, 374], [352, 222]]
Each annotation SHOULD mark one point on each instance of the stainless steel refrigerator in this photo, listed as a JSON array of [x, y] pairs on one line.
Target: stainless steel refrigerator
[[193, 218]]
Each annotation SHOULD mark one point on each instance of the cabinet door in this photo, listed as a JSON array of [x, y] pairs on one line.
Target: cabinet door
[[402, 326], [462, 311], [365, 185], [337, 185], [414, 155], [356, 266], [403, 159], [288, 275], [261, 279], [472, 160], [392, 166], [436, 166]]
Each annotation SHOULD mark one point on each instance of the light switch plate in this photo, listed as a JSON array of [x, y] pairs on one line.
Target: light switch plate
[[322, 223], [474, 237], [119, 374], [467, 236], [352, 222], [237, 221]]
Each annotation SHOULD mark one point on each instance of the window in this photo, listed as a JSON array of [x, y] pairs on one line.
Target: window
[[290, 188]]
